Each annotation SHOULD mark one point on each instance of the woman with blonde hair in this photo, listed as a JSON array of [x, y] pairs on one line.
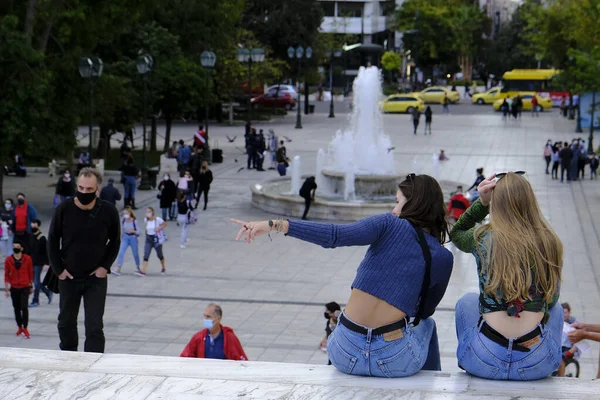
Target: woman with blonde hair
[[129, 238], [512, 329], [155, 237]]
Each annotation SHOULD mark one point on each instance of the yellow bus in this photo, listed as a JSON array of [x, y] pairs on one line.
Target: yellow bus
[[532, 80]]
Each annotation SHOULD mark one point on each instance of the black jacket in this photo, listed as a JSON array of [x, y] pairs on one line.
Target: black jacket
[[168, 193], [566, 155], [66, 189], [39, 252], [130, 170], [110, 193], [205, 179]]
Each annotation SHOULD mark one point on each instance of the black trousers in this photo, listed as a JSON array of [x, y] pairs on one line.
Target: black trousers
[[563, 169], [555, 166], [307, 201], [93, 292], [202, 190], [251, 159], [20, 298], [548, 161], [581, 168]]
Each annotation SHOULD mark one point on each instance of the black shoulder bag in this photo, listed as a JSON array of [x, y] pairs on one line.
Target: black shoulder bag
[[426, 277]]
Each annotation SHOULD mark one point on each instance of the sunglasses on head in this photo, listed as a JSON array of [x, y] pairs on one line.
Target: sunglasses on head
[[411, 177], [503, 174]]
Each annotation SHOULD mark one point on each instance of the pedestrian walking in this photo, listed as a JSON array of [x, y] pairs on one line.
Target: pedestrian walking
[[129, 238], [261, 146], [155, 237], [6, 234], [416, 117], [505, 108], [183, 156], [582, 161], [205, 178], [273, 141], [18, 284], [519, 101], [534, 107], [249, 149], [65, 188], [445, 103], [22, 216], [574, 170], [548, 155], [480, 177], [566, 157], [307, 192], [183, 207], [110, 193], [39, 259], [83, 242], [556, 159], [130, 174], [428, 119], [167, 196], [593, 166]]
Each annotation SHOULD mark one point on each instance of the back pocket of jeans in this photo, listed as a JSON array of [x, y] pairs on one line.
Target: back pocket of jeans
[[474, 365], [339, 357], [541, 369], [403, 363]]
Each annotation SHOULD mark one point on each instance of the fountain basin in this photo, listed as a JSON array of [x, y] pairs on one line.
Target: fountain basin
[[274, 197], [366, 186]]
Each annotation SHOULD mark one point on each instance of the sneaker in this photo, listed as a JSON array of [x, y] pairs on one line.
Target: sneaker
[[20, 331], [139, 272], [26, 333], [182, 246], [163, 272], [116, 271], [34, 304], [50, 297]]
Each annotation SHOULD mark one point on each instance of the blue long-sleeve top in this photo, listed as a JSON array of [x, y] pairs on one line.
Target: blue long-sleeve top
[[393, 267]]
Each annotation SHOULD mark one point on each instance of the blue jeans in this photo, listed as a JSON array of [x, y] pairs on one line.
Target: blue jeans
[[487, 359], [367, 355], [129, 241], [37, 284], [129, 187], [182, 219]]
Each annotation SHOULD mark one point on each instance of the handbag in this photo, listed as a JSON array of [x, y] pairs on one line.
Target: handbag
[[51, 281]]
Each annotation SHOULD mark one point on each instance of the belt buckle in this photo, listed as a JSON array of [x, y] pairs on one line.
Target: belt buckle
[[393, 335]]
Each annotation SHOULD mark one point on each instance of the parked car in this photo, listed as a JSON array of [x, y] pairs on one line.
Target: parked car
[[284, 88], [435, 94], [488, 97], [272, 99], [544, 103], [402, 103]]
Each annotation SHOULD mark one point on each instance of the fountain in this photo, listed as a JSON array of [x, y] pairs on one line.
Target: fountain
[[356, 176]]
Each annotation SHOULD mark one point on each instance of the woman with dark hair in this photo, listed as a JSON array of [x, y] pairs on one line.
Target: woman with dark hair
[[386, 329], [168, 193]]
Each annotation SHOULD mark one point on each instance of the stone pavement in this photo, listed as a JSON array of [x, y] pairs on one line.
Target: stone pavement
[[273, 293]]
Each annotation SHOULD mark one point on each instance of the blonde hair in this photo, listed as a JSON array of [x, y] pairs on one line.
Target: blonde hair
[[130, 211], [522, 250]]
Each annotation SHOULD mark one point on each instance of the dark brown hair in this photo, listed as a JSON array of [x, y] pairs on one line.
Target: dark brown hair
[[424, 206]]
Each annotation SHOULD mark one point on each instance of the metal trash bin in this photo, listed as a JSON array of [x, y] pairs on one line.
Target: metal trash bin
[[311, 108]]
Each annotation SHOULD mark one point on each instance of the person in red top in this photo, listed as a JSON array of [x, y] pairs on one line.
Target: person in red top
[[18, 283], [215, 341], [22, 216], [458, 204]]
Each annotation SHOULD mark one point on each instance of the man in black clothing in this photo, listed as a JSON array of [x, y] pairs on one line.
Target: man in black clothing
[[261, 146], [307, 191], [39, 257], [566, 156], [83, 242], [110, 193]]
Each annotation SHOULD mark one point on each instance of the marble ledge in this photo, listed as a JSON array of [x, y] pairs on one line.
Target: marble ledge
[[49, 374]]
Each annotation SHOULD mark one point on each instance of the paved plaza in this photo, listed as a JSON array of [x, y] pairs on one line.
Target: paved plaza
[[272, 293]]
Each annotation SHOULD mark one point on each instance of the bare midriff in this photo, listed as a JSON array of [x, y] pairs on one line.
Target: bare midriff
[[370, 311], [512, 327]]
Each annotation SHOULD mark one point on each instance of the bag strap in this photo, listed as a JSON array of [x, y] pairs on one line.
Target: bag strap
[[426, 277]]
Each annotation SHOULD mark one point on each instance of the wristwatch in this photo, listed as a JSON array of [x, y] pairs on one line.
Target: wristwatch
[[271, 224]]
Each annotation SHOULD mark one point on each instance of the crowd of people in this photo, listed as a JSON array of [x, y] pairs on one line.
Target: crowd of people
[[572, 158], [259, 148]]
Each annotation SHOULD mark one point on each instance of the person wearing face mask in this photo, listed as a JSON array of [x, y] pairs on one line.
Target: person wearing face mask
[[205, 178], [22, 216], [215, 340], [6, 234], [130, 232], [83, 242], [18, 284], [65, 187], [110, 193], [39, 257], [168, 193], [331, 314], [155, 237]]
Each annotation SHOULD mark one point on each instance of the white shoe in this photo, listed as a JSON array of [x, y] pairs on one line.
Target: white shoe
[[182, 246]]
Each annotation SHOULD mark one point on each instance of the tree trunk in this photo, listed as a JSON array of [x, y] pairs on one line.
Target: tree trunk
[[29, 21], [153, 133], [55, 6], [169, 123]]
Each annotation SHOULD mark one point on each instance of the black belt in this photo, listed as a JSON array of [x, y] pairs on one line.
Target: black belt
[[497, 337], [394, 326]]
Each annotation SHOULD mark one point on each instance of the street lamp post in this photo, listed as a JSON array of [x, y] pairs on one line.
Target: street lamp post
[[591, 137], [144, 66], [90, 68], [250, 56], [298, 53], [337, 53], [208, 60]]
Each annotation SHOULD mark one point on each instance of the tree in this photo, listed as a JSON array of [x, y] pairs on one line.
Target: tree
[[391, 62]]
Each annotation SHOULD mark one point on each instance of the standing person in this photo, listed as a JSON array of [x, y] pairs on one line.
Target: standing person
[[200, 137], [83, 242], [39, 258], [84, 160], [445, 103], [110, 193], [416, 117], [6, 237], [428, 119], [534, 107], [130, 173], [182, 217], [512, 329], [168, 194], [195, 165], [186, 184], [458, 204], [248, 146], [478, 180], [566, 156], [375, 335], [574, 170], [65, 187], [173, 150], [281, 155], [125, 152], [205, 178], [155, 237], [307, 192], [130, 232], [514, 107], [548, 154], [331, 314], [555, 159], [254, 143], [593, 166], [273, 148], [505, 107], [583, 160], [519, 101], [183, 156], [261, 146], [22, 216], [18, 284]]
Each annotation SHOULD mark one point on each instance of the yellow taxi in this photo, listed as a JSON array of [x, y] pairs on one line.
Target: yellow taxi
[[402, 103], [543, 103], [488, 97], [435, 94]]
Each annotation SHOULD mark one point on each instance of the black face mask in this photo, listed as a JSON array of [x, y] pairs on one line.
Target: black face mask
[[17, 251], [35, 231], [85, 198], [21, 201], [326, 315]]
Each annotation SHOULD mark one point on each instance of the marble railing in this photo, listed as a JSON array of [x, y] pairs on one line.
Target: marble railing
[[49, 374]]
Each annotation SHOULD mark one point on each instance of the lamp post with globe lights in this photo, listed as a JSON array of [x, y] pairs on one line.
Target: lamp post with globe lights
[[299, 53], [144, 65], [208, 60], [90, 68]]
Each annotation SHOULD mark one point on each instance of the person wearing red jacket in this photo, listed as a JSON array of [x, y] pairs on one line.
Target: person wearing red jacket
[[458, 204], [18, 283], [215, 341]]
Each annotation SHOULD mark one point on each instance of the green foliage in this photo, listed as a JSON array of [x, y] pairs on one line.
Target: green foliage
[[391, 61]]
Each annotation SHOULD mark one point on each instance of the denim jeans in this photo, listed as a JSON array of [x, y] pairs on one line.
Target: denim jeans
[[487, 359], [93, 292], [37, 284], [165, 214], [129, 187], [182, 219], [173, 211], [149, 245], [367, 355], [129, 241]]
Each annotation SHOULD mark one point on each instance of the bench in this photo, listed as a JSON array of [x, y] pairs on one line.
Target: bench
[[58, 167]]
